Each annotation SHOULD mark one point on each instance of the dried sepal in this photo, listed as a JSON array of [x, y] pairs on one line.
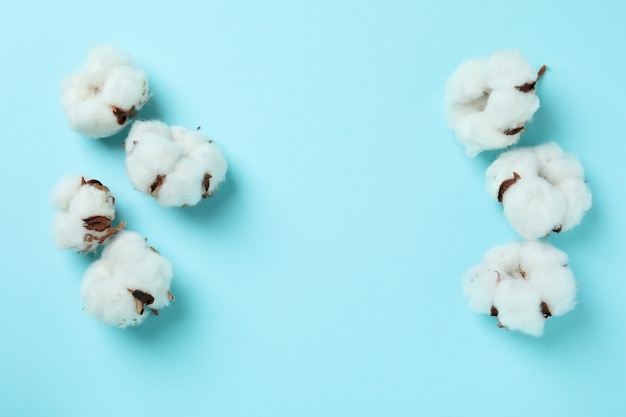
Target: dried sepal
[[112, 231], [206, 184], [506, 184], [108, 232], [514, 131], [139, 306], [144, 297], [156, 185], [545, 310], [141, 299], [97, 223], [123, 115]]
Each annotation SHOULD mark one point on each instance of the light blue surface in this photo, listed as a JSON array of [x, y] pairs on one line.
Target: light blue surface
[[324, 278]]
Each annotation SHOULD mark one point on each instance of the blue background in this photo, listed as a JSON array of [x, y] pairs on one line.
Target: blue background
[[324, 277]]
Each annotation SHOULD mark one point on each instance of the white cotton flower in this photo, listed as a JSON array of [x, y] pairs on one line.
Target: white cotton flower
[[522, 284], [102, 97], [86, 210], [175, 165], [489, 101], [129, 277], [542, 189]]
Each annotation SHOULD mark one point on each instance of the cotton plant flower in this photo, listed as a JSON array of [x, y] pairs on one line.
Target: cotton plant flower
[[85, 213], [130, 278], [489, 101], [542, 189], [101, 98], [177, 166], [521, 284]]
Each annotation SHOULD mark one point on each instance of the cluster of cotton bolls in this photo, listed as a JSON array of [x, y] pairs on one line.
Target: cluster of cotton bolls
[[175, 165], [542, 190], [489, 101], [105, 94], [522, 284], [86, 210], [129, 274], [179, 167]]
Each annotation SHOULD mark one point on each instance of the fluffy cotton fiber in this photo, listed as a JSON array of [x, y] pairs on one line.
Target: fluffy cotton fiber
[[105, 94], [175, 165], [522, 284], [129, 278], [489, 101], [86, 210], [542, 189]]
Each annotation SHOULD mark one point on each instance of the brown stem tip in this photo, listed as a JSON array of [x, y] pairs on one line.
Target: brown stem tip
[[528, 87], [541, 71], [506, 184]]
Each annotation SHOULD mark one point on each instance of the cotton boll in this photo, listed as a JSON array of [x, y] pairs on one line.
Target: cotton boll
[[534, 208], [479, 285], [183, 185], [107, 298], [187, 139], [511, 108], [469, 126], [64, 191], [90, 199], [522, 161], [557, 286], [143, 127], [68, 233], [522, 284], [578, 202], [489, 102], [91, 118], [519, 307], [123, 87], [209, 156], [467, 83], [541, 188], [129, 278], [536, 254], [150, 154], [104, 94], [557, 165], [86, 210], [508, 68], [143, 266], [504, 258], [175, 165]]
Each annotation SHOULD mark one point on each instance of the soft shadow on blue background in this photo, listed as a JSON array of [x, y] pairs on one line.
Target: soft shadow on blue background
[[323, 279]]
